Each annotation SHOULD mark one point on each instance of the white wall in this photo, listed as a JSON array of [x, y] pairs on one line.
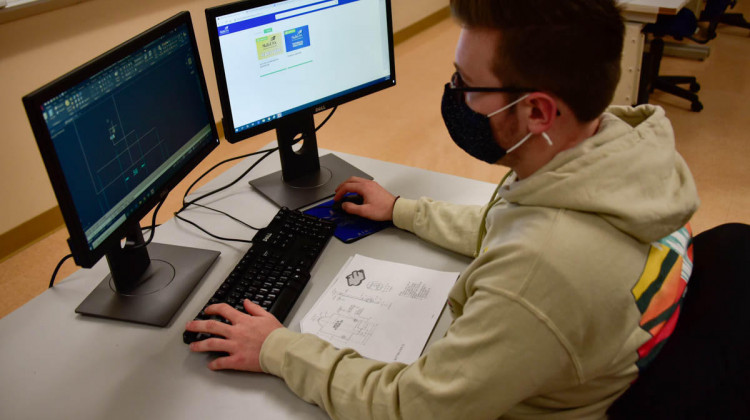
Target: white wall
[[37, 49]]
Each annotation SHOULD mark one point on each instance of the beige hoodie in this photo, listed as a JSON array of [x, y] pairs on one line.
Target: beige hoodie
[[577, 281]]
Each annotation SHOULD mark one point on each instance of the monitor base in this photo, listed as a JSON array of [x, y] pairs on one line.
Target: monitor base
[[308, 189], [168, 281]]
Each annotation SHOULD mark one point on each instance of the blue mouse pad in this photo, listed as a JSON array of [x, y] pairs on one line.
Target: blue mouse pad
[[349, 227]]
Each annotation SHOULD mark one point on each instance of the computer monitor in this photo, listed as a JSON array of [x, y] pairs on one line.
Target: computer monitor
[[116, 134], [278, 63]]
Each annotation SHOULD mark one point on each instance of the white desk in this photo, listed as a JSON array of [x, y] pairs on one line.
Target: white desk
[[57, 364], [637, 14], [647, 10]]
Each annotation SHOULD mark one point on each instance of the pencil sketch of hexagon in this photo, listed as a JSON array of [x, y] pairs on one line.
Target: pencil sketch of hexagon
[[355, 278]]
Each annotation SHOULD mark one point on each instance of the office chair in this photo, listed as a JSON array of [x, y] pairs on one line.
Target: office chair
[[732, 19], [682, 25], [703, 370], [715, 13]]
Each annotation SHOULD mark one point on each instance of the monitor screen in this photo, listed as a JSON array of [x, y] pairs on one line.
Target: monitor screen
[[117, 134], [279, 62], [119, 143], [284, 57]]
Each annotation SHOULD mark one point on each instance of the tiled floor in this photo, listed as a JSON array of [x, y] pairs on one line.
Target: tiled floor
[[403, 125]]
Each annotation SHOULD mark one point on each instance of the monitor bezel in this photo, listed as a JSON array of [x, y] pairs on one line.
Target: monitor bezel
[[218, 63], [33, 102]]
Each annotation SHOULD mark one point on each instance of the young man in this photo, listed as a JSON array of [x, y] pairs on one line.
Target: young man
[[581, 257]]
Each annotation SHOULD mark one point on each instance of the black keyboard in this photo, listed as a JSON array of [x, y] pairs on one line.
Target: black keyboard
[[276, 269]]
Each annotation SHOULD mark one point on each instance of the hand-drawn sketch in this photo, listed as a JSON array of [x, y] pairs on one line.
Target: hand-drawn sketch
[[379, 286], [355, 278], [415, 290], [383, 310], [340, 328], [359, 295]]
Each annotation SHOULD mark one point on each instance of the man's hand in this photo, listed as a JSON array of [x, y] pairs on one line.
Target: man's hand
[[378, 203], [242, 340]]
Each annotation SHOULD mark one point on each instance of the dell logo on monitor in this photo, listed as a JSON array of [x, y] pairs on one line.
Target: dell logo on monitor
[[320, 108]]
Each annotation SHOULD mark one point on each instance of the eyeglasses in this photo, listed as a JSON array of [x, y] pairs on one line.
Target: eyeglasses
[[458, 85]]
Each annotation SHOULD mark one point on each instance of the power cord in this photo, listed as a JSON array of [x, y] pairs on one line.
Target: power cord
[[152, 227], [151, 237], [185, 204], [193, 202], [267, 151], [54, 273]]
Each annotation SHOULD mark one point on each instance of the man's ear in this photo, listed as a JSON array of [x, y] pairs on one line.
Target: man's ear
[[542, 112]]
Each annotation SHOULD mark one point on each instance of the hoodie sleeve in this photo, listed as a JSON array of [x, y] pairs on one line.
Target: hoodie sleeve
[[480, 369], [451, 226]]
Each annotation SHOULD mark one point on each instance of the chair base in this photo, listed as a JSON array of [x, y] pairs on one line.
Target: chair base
[[670, 84], [651, 80], [734, 19]]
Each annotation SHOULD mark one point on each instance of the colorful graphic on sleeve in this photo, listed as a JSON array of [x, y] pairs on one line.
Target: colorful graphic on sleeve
[[660, 290]]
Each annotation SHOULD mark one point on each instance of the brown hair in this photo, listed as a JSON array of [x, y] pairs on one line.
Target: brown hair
[[570, 48]]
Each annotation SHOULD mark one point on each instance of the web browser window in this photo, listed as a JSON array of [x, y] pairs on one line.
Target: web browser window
[[291, 55]]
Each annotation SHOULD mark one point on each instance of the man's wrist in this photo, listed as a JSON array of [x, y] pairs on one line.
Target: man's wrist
[[403, 213], [273, 350]]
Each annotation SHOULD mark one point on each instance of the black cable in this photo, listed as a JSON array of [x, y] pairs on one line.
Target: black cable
[[219, 164], [54, 273], [151, 237], [226, 214], [186, 204], [193, 202], [267, 153], [152, 227], [177, 215], [327, 118]]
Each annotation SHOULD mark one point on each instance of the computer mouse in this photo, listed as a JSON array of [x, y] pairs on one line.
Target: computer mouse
[[351, 198]]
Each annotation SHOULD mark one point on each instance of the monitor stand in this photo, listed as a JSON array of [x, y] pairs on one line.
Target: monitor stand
[[148, 285], [304, 178]]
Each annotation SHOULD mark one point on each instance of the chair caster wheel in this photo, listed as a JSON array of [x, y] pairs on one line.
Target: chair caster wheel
[[696, 106], [695, 87]]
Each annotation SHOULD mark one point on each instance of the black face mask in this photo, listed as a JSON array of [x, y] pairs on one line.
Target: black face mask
[[470, 130]]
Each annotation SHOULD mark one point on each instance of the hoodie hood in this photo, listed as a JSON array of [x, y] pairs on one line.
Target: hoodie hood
[[629, 173]]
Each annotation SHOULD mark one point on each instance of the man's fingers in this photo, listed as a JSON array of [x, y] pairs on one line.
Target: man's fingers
[[226, 362], [347, 189], [352, 185], [242, 340], [356, 209], [210, 344], [254, 310], [211, 327], [351, 181], [224, 310]]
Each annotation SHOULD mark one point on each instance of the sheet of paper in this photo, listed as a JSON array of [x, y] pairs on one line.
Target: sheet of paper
[[384, 310]]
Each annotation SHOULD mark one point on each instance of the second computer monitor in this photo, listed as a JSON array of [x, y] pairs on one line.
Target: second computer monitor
[[116, 135], [279, 62]]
